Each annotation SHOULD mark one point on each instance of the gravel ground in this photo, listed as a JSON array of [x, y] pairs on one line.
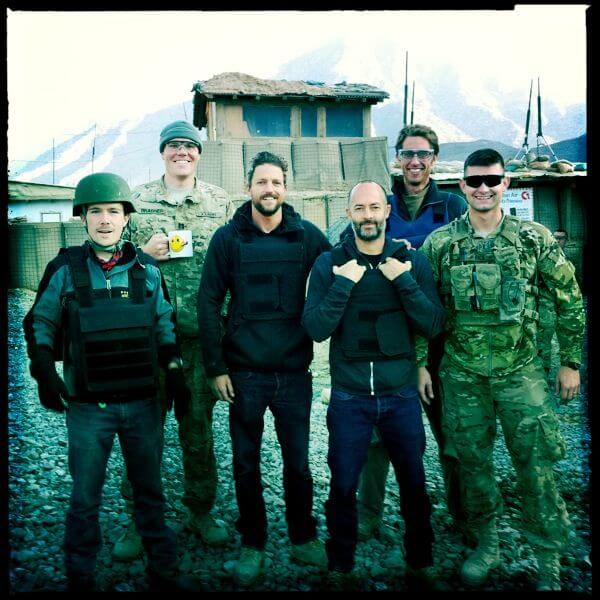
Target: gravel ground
[[39, 486]]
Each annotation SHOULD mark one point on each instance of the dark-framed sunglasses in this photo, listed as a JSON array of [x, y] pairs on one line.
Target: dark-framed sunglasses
[[410, 154], [474, 181]]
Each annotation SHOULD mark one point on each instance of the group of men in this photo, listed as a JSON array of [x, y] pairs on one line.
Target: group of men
[[428, 301]]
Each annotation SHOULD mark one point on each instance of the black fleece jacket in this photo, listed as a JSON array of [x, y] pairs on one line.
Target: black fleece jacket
[[234, 343], [327, 298]]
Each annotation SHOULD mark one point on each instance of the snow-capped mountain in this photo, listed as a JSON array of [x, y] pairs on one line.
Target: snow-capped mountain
[[458, 108]]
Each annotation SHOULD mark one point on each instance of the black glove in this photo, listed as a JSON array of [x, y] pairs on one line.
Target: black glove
[[51, 388], [178, 393]]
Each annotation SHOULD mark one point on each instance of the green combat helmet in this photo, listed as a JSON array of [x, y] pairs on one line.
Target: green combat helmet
[[102, 188]]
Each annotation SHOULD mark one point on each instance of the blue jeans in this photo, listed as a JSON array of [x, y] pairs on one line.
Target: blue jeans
[[289, 397], [350, 421], [91, 431]]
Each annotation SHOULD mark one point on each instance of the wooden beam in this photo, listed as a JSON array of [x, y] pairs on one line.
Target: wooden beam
[[295, 121], [321, 122], [366, 121]]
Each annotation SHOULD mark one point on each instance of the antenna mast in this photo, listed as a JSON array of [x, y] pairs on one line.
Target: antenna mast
[[540, 139], [94, 147], [405, 90], [412, 106], [525, 147]]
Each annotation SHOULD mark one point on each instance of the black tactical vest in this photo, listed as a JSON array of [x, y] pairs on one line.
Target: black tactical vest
[[269, 278], [374, 324], [112, 336]]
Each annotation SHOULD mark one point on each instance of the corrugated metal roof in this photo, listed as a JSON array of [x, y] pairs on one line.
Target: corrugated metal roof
[[241, 84]]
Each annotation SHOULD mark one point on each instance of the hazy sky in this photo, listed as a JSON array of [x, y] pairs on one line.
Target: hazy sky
[[69, 70]]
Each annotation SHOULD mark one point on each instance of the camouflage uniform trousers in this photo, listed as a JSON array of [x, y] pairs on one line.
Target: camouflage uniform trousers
[[471, 404], [195, 437]]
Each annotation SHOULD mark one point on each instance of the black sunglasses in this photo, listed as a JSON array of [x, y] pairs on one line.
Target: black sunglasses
[[491, 181]]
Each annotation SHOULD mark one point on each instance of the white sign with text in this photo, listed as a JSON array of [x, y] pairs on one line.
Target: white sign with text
[[519, 203]]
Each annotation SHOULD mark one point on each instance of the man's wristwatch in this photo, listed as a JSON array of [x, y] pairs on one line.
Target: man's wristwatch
[[572, 365], [175, 363]]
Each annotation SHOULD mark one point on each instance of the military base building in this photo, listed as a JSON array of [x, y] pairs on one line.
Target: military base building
[[324, 132]]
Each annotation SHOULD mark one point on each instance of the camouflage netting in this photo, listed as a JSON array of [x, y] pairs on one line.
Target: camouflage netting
[[281, 147], [322, 164], [366, 159], [546, 211], [317, 164], [33, 245], [575, 217], [222, 164]]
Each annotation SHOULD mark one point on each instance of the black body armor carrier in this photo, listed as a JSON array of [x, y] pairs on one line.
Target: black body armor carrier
[[374, 325], [269, 281], [112, 336]]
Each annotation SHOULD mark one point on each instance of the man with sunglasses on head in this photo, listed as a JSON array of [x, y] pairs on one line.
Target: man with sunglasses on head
[[488, 266], [180, 204], [418, 207]]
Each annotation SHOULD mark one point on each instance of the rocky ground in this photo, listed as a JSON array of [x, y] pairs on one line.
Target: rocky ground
[[39, 485]]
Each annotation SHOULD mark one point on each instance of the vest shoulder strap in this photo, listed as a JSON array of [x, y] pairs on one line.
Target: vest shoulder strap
[[401, 253], [511, 229], [79, 272], [339, 255], [137, 283], [137, 276]]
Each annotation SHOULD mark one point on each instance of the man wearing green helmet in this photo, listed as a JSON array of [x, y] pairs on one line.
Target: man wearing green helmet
[[102, 308]]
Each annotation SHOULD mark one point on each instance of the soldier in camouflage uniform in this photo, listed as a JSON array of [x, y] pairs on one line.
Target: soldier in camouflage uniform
[[179, 201], [488, 266], [547, 323]]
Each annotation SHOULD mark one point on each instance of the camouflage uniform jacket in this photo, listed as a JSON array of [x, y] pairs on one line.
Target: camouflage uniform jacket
[[489, 287], [203, 212]]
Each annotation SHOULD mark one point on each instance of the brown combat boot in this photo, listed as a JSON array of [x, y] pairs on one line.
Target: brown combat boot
[[486, 556], [548, 571]]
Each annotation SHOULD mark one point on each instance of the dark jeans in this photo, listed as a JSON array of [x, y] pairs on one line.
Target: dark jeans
[[289, 396], [91, 431], [350, 421]]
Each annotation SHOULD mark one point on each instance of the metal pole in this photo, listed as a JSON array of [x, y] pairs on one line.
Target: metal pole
[[52, 161], [412, 106], [540, 135], [405, 90], [94, 147]]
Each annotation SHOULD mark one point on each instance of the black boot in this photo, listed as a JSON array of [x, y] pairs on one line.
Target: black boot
[[81, 583], [172, 580]]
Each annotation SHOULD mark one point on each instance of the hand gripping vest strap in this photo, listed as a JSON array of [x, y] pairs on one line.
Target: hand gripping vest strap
[[374, 325], [113, 339]]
